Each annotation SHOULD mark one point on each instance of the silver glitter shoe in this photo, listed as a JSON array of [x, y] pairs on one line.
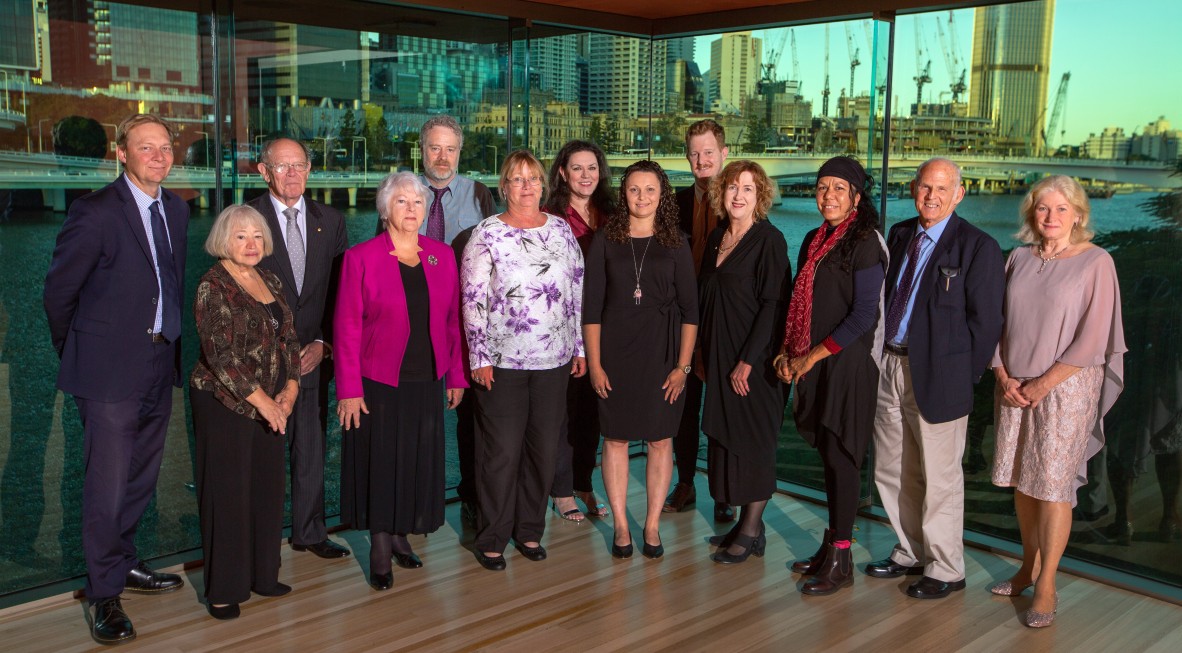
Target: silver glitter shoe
[[1007, 588], [1035, 619]]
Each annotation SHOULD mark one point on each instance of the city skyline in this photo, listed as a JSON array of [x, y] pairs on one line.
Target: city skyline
[[1101, 80]]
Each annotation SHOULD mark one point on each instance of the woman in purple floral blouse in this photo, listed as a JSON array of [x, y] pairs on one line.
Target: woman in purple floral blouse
[[522, 295]]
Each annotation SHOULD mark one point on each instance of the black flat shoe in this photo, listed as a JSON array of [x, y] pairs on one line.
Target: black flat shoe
[[382, 582], [890, 569], [325, 549], [225, 612], [930, 588], [279, 589], [109, 623], [724, 539], [407, 560], [534, 553], [142, 580], [491, 563], [753, 546]]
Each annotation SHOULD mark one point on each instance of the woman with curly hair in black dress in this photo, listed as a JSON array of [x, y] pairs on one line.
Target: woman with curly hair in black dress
[[640, 316]]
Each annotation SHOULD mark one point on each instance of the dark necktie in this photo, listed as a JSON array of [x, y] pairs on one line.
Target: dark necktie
[[435, 230], [170, 288], [295, 247], [906, 283]]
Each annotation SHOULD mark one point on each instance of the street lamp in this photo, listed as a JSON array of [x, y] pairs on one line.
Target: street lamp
[[40, 143], [364, 153], [114, 137]]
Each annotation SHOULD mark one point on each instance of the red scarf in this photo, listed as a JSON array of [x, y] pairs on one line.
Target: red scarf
[[800, 312]]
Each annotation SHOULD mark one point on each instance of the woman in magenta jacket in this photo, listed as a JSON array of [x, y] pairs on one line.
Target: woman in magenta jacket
[[397, 352]]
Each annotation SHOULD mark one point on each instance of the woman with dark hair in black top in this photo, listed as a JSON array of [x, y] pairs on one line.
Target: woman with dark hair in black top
[[828, 352]]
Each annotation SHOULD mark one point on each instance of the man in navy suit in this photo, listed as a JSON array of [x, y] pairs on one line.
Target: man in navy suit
[[113, 301], [310, 241], [943, 320]]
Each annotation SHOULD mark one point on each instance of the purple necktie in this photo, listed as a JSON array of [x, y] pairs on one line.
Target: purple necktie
[[435, 230], [899, 301]]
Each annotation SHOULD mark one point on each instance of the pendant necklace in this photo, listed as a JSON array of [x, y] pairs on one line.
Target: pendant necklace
[[1038, 250], [637, 269]]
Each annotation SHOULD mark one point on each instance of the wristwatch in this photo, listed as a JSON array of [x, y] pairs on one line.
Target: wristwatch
[[687, 369]]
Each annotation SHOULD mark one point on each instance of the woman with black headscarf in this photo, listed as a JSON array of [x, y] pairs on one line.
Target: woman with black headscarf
[[832, 327]]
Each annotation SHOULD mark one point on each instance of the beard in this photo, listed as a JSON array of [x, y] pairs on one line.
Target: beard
[[431, 172]]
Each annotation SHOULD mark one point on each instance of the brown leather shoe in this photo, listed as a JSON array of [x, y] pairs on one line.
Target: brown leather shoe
[[682, 498], [835, 571], [810, 565]]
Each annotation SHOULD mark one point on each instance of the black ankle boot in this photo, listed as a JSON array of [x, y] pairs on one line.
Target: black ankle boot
[[835, 572], [809, 565]]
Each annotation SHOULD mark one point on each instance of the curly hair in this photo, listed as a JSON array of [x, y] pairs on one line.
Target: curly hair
[[666, 227], [865, 222], [764, 190], [601, 201]]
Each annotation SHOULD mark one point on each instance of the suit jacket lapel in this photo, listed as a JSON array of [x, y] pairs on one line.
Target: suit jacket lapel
[[939, 256], [279, 245], [135, 222], [897, 252], [313, 241]]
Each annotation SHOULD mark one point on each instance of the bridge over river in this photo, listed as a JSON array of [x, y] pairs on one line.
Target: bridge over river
[[53, 175]]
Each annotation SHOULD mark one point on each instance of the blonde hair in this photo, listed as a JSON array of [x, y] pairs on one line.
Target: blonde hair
[[1075, 195], [217, 244], [517, 159], [135, 120]]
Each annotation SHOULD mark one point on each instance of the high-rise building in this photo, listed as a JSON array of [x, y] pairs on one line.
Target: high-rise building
[[18, 48], [735, 65], [682, 79], [622, 71], [1010, 72], [552, 66]]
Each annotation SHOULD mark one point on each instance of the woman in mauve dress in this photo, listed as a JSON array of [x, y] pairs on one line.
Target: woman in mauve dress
[[1059, 368]]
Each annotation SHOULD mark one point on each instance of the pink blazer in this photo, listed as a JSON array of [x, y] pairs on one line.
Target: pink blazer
[[372, 326]]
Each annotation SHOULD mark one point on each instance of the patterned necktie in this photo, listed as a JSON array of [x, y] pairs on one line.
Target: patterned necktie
[[435, 230], [170, 288], [903, 294], [295, 247]]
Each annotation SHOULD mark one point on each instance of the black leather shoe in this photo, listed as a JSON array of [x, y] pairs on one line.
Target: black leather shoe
[[890, 569], [491, 563], [382, 582], [278, 589], [468, 513], [930, 588], [225, 613], [724, 540], [622, 550], [143, 580], [652, 551], [110, 624], [324, 549], [724, 513], [407, 560], [535, 553], [682, 498]]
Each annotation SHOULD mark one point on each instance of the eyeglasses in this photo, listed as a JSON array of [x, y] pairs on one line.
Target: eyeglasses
[[518, 182], [282, 168]]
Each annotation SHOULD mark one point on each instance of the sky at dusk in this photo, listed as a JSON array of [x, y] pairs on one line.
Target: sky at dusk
[[1121, 56]]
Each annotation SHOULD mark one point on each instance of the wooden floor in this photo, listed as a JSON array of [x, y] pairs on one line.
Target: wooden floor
[[581, 599]]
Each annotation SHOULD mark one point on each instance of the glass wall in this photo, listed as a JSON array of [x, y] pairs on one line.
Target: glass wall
[[355, 85], [1017, 92]]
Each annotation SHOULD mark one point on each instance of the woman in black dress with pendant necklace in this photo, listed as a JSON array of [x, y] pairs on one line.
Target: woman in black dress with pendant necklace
[[640, 315], [744, 276]]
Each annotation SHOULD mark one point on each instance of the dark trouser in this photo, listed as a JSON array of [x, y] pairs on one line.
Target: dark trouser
[[517, 426], [306, 435], [843, 483], [687, 442], [578, 440], [123, 443], [466, 445], [239, 498]]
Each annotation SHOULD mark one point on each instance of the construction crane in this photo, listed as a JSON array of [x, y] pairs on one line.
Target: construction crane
[[854, 52], [923, 70], [773, 59], [952, 60], [1057, 113], [825, 93], [795, 59]]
